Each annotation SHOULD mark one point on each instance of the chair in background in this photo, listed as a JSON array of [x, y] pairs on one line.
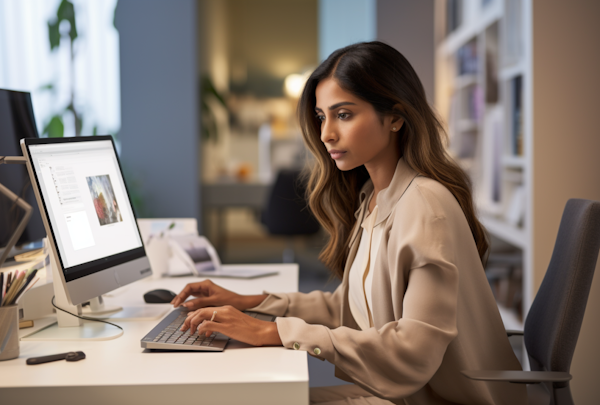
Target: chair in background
[[554, 320], [286, 212]]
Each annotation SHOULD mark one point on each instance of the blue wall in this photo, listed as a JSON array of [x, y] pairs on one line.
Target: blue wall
[[344, 22], [159, 104]]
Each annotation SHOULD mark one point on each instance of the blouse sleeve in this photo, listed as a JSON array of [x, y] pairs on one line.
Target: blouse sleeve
[[316, 307], [400, 357]]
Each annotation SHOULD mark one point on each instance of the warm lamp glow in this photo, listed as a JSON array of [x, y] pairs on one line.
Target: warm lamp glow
[[294, 84]]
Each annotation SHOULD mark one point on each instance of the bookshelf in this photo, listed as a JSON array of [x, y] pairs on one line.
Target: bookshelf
[[538, 145], [481, 68]]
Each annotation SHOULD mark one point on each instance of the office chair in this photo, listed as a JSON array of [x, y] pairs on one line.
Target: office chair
[[554, 320], [286, 212]]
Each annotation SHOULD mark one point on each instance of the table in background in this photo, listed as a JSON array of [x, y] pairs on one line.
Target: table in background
[[220, 196], [119, 371]]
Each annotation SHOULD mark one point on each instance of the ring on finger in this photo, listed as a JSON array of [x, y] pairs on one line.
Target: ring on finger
[[213, 316]]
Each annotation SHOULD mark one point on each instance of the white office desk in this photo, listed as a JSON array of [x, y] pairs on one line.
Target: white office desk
[[119, 371]]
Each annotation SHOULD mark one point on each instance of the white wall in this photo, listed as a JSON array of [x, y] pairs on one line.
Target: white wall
[[407, 25], [28, 64]]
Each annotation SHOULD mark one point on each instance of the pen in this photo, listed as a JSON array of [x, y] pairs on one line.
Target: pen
[[8, 279], [32, 284], [1, 288], [24, 285], [14, 286]]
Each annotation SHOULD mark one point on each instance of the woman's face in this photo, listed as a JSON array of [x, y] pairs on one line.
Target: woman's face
[[352, 131]]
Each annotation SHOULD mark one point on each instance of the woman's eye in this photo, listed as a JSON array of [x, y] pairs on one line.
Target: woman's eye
[[320, 117], [343, 115]]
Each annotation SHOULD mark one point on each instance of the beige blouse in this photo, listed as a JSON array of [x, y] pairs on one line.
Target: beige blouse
[[432, 307], [360, 280]]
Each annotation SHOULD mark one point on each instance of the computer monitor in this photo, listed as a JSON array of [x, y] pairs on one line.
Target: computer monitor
[[87, 214], [16, 122]]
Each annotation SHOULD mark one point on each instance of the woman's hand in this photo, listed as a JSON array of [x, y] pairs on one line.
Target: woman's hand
[[211, 295], [234, 324]]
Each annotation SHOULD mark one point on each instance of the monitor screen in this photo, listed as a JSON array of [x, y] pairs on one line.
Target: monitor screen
[[16, 122], [86, 203]]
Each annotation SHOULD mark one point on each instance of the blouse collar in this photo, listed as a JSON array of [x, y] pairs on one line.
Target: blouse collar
[[387, 198]]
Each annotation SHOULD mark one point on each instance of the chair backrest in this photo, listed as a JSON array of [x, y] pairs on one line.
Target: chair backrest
[[286, 211], [554, 320]]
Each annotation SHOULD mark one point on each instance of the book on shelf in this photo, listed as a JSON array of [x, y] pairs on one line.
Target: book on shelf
[[454, 12], [466, 58], [517, 115], [513, 37], [515, 211]]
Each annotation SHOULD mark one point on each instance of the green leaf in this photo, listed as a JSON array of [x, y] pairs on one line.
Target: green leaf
[[208, 88], [49, 86], [95, 130], [66, 11], [55, 128], [115, 15], [54, 34]]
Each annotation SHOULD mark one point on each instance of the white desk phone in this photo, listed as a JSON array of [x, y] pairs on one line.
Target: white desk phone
[[175, 248]]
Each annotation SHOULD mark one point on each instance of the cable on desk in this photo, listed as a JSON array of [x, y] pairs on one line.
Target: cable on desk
[[85, 318]]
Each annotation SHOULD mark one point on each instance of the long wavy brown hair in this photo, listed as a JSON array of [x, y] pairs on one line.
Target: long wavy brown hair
[[380, 75]]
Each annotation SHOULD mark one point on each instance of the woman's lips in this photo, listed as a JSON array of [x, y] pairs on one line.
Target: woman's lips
[[336, 154]]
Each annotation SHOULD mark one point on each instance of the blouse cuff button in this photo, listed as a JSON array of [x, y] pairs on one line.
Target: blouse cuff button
[[296, 346], [317, 351]]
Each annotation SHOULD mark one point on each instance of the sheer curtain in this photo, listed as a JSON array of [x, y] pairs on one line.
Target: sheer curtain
[[27, 64]]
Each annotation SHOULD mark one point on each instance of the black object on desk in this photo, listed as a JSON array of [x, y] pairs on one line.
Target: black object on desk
[[70, 356], [159, 296]]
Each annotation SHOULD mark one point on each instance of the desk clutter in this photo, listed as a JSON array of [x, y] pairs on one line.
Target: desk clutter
[[175, 249], [14, 284]]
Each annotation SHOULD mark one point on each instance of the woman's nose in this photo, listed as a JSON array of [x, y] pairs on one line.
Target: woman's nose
[[328, 133]]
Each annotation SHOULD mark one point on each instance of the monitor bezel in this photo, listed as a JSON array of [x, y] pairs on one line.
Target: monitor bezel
[[34, 232], [95, 266]]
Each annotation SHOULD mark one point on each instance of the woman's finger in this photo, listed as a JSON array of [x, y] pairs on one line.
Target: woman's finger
[[198, 303], [208, 327], [183, 295], [199, 288], [196, 319], [186, 322]]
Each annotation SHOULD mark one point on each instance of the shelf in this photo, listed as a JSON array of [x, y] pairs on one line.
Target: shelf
[[512, 71], [467, 125], [509, 318], [511, 234], [465, 80], [456, 39], [515, 162]]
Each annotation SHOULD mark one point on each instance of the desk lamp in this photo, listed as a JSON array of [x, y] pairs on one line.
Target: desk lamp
[[18, 201]]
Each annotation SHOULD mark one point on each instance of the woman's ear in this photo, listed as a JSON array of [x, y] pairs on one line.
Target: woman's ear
[[398, 117]]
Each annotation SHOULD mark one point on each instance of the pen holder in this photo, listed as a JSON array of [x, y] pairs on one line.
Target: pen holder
[[9, 332]]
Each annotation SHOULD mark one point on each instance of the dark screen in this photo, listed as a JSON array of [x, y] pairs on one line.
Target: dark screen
[[16, 122]]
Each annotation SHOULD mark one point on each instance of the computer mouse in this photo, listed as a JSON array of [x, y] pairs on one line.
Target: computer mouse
[[159, 296]]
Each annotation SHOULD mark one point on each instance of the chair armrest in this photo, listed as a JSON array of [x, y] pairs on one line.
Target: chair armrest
[[512, 332], [514, 376]]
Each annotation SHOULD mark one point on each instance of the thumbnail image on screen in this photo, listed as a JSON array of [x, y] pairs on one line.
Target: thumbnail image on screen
[[104, 199]]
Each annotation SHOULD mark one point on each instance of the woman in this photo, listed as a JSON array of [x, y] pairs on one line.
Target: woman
[[414, 307]]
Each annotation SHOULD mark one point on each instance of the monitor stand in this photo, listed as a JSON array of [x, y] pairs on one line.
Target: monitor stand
[[71, 328], [99, 310]]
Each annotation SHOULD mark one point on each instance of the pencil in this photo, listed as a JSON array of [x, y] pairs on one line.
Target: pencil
[[14, 288], [27, 289], [32, 284], [23, 286]]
